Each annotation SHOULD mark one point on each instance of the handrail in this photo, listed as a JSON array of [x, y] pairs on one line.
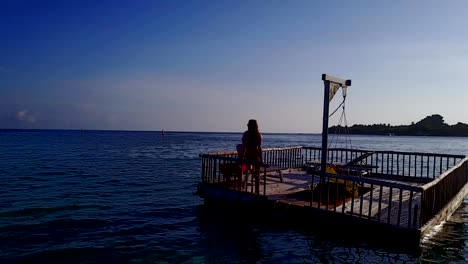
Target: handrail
[[264, 150], [438, 193], [347, 149], [221, 153], [390, 152], [443, 175], [248, 162], [285, 148]]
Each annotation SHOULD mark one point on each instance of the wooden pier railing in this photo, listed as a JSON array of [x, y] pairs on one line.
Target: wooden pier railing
[[437, 193], [216, 164], [425, 166], [381, 201], [227, 171], [290, 157]]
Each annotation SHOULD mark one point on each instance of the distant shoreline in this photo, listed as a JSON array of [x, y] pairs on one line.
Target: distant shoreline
[[430, 126]]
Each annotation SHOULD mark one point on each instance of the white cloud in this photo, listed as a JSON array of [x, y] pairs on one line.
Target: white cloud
[[25, 116]]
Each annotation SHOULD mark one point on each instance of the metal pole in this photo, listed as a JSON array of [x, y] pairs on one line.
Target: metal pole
[[325, 132]]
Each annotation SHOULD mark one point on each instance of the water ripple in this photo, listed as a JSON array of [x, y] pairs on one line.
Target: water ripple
[[120, 197]]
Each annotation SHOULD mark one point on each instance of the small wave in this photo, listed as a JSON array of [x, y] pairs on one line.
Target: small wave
[[44, 210], [71, 255], [107, 181], [59, 224], [166, 212], [33, 179], [51, 173], [88, 175], [88, 223]]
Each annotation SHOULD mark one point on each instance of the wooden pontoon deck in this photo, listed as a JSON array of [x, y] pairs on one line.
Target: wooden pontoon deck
[[400, 190]]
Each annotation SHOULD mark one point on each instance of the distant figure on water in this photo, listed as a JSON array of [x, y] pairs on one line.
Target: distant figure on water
[[162, 132], [252, 150]]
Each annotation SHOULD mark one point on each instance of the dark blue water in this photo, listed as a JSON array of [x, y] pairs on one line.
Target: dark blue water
[[128, 197]]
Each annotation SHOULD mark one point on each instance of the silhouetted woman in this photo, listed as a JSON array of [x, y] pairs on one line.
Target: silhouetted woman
[[252, 140]]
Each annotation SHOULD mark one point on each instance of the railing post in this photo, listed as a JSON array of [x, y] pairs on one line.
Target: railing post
[[203, 169], [416, 215], [422, 213]]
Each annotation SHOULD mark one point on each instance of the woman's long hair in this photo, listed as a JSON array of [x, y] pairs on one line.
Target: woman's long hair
[[254, 133]]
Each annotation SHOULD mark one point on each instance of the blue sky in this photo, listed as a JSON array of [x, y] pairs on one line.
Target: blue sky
[[212, 65]]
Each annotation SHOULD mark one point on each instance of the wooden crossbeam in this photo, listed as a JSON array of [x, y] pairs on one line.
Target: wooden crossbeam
[[333, 79]]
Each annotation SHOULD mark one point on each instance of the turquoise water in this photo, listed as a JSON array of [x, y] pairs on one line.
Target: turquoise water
[[128, 197]]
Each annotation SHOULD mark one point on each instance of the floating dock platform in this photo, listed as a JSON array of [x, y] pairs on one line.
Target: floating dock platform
[[388, 193]]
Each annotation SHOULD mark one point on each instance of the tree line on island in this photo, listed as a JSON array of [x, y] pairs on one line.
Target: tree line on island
[[433, 125]]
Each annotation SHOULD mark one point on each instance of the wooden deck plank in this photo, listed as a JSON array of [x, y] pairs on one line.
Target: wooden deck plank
[[296, 180], [292, 182], [384, 208]]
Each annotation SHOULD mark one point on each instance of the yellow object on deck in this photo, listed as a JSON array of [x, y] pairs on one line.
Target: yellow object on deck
[[349, 184]]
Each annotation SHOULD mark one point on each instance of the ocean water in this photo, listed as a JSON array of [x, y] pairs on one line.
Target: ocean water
[[129, 197]]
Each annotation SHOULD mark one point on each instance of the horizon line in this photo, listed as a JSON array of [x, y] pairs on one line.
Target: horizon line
[[155, 131]]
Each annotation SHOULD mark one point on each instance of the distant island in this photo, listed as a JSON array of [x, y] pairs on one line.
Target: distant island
[[433, 125]]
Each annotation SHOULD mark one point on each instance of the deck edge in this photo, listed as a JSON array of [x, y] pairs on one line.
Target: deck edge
[[445, 213]]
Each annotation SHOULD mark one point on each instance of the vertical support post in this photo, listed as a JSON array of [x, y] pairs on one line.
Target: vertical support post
[[327, 81], [323, 165]]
